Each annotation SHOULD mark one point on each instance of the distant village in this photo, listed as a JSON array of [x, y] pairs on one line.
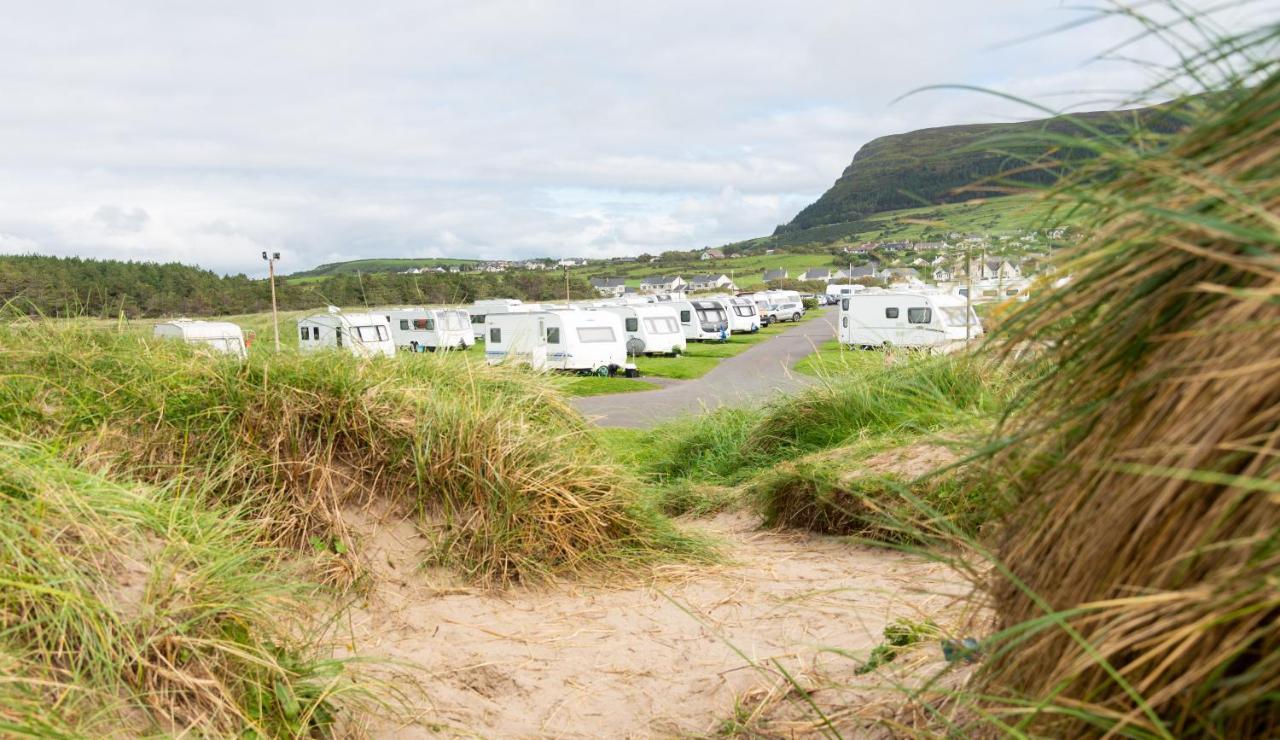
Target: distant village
[[977, 258]]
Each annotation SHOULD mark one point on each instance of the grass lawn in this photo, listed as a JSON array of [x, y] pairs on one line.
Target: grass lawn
[[832, 358], [591, 385]]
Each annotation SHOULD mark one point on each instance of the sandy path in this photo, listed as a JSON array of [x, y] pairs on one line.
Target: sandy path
[[630, 661]]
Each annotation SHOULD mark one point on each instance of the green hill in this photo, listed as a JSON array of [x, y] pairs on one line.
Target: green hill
[[375, 265], [927, 167]]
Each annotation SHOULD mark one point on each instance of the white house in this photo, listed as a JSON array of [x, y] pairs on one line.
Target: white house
[[712, 254], [610, 287], [662, 284], [817, 274], [711, 282]]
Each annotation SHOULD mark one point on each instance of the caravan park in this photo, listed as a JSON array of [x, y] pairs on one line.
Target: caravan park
[[487, 372]]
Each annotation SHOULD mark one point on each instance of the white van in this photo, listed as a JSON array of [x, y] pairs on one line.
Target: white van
[[702, 321], [879, 318], [428, 329], [361, 334], [584, 341], [221, 336], [651, 329], [478, 311]]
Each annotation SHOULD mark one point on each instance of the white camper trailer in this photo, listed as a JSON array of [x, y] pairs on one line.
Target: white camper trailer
[[651, 329], [702, 321], [361, 334], [429, 329], [221, 336], [878, 318], [584, 341], [480, 310], [744, 316], [840, 291]]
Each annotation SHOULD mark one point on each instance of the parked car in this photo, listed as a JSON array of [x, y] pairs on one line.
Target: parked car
[[785, 311]]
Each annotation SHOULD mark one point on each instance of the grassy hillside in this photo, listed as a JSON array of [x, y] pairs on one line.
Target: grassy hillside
[[928, 166], [377, 265]]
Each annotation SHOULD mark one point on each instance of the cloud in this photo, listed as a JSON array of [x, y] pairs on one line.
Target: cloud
[[116, 218], [208, 132]]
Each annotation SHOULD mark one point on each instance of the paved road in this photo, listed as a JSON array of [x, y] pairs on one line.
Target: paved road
[[758, 374]]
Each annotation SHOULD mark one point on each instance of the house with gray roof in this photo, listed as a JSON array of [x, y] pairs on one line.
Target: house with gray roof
[[818, 274], [662, 284], [609, 286], [774, 275], [711, 282]]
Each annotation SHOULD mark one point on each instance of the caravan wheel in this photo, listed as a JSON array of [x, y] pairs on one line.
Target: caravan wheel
[[602, 371]]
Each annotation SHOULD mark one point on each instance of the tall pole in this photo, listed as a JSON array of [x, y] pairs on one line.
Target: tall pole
[[968, 293], [566, 284], [275, 315]]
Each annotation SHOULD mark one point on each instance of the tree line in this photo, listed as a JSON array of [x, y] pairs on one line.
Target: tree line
[[74, 286]]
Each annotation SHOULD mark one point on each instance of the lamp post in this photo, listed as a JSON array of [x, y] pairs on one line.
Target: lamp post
[[271, 272]]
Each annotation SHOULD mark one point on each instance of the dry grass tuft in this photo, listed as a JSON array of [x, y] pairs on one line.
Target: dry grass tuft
[[496, 467], [1153, 537]]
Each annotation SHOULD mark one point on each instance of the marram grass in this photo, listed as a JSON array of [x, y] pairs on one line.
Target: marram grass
[[500, 472], [134, 610], [1137, 581]]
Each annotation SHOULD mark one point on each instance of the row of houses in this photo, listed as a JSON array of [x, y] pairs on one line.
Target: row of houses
[[616, 286], [940, 270]]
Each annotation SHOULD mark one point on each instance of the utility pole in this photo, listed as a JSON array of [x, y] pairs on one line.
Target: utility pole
[[566, 284], [968, 293], [271, 272]]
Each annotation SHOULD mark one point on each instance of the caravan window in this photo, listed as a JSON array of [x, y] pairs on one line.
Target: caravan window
[[495, 334], [845, 304], [553, 335], [919, 315], [891, 313], [428, 324], [595, 334], [633, 324], [685, 317], [710, 314], [477, 319], [744, 310], [306, 333], [404, 325], [371, 333], [661, 325]]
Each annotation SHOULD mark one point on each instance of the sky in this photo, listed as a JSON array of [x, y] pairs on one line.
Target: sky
[[206, 133]]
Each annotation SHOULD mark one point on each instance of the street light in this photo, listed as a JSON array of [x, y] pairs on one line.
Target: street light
[[271, 272]]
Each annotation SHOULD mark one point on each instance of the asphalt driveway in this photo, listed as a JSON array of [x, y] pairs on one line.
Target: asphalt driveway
[[755, 376]]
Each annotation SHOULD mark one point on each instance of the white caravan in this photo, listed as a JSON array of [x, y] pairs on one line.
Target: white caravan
[[651, 329], [840, 291], [479, 310], [585, 341], [221, 336], [361, 334], [744, 316], [429, 329], [879, 318], [702, 321]]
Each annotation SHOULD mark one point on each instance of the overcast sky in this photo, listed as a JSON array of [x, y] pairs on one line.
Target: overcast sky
[[206, 132]]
